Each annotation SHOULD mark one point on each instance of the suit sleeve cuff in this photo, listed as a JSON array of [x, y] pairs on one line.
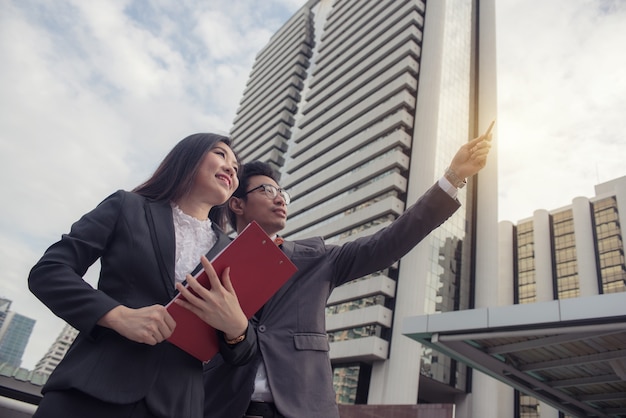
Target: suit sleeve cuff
[[447, 187]]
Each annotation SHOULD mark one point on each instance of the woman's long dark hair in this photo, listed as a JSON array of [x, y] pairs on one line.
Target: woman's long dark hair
[[175, 175]]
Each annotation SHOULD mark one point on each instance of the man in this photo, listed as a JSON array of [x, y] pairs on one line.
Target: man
[[291, 375]]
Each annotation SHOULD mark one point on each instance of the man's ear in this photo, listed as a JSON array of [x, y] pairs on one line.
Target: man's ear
[[236, 204]]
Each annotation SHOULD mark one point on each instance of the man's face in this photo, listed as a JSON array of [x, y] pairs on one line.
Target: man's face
[[270, 214]]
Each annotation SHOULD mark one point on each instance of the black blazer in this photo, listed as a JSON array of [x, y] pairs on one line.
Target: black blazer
[[291, 331], [135, 241]]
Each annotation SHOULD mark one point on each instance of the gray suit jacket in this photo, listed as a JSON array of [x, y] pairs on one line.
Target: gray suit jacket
[[291, 331], [134, 239]]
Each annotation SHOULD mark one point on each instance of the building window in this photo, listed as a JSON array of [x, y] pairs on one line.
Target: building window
[[610, 245]]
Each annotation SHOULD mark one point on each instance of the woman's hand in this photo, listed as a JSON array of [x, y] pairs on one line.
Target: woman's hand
[[149, 325], [217, 306]]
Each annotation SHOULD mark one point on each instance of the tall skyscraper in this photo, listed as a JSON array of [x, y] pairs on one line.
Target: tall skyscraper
[[15, 330], [57, 350], [360, 105]]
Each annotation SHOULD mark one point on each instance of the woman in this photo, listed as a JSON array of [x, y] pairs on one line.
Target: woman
[[147, 240]]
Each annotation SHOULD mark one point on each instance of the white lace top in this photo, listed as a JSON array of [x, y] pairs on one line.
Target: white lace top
[[193, 239]]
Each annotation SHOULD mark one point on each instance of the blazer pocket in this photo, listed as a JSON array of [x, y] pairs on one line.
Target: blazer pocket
[[310, 341]]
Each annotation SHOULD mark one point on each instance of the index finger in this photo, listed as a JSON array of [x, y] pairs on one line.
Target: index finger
[[493, 122], [170, 324], [211, 273]]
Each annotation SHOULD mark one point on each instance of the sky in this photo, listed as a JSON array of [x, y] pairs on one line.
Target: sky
[[93, 95]]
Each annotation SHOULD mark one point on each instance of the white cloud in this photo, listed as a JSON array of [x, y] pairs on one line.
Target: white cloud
[[562, 95]]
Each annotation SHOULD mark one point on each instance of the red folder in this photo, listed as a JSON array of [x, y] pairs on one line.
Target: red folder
[[258, 268]]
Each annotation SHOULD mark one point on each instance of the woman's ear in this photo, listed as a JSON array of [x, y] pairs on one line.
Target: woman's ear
[[235, 204]]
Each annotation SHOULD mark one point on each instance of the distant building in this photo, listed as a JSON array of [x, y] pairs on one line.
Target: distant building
[[57, 350], [15, 330], [557, 335], [576, 250], [20, 391], [569, 252]]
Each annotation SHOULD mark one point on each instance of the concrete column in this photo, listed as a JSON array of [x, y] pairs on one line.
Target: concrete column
[[490, 397], [546, 411], [486, 390], [506, 260], [543, 274], [506, 263], [463, 406]]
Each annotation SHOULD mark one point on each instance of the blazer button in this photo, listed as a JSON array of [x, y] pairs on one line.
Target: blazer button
[[261, 328]]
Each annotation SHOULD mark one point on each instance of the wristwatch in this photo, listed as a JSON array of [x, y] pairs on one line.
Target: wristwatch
[[456, 181]]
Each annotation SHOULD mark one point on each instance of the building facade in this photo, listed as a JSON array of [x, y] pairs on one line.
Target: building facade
[[569, 252], [360, 105], [57, 350], [15, 330]]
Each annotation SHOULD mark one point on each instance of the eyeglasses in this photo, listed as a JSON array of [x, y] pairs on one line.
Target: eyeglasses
[[272, 191]]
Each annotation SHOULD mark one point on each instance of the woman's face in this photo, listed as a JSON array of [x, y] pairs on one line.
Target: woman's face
[[216, 179]]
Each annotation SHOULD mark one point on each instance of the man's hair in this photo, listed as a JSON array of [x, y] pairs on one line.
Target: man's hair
[[248, 170]]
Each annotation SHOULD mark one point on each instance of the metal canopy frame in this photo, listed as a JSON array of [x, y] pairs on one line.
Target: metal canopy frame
[[570, 354]]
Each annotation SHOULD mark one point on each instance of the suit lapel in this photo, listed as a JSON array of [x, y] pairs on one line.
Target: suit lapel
[[163, 237], [288, 248], [164, 240]]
